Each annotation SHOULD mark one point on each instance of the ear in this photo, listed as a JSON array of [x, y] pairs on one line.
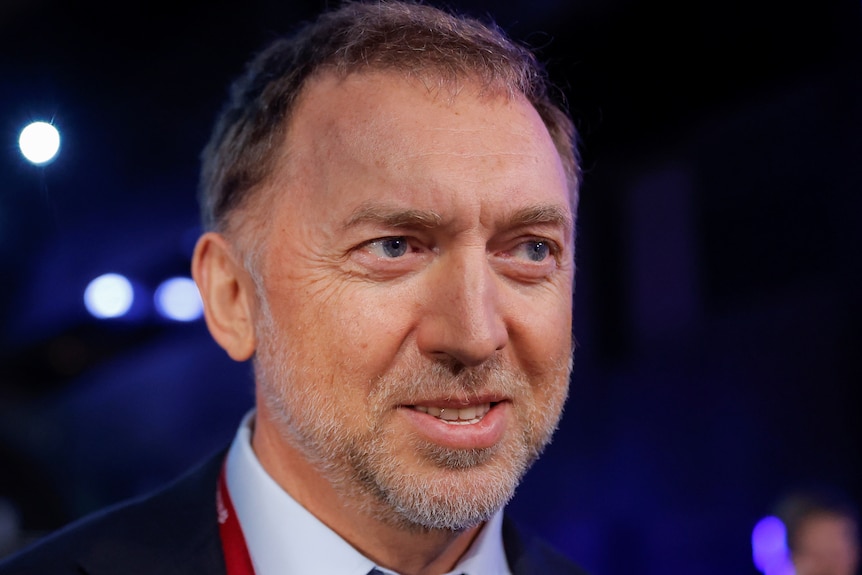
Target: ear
[[228, 295]]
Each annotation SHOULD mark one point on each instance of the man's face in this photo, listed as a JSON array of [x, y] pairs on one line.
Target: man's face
[[414, 335], [826, 544]]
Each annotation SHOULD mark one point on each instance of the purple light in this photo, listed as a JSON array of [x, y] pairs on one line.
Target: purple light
[[769, 547], [781, 567]]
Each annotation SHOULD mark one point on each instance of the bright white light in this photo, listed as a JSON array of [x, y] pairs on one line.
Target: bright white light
[[179, 299], [39, 142], [109, 295]]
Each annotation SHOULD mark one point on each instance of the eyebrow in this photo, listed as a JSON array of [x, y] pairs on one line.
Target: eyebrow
[[547, 215], [394, 217]]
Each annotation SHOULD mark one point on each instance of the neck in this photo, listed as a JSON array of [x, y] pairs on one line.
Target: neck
[[357, 516]]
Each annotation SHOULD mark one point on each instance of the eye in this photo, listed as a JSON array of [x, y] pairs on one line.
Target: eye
[[390, 257], [534, 250], [393, 247]]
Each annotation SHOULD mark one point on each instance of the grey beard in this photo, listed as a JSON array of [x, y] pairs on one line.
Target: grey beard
[[471, 485]]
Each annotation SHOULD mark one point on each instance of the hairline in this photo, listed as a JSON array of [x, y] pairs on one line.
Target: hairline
[[245, 225]]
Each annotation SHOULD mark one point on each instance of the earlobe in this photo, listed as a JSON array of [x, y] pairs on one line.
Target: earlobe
[[228, 295]]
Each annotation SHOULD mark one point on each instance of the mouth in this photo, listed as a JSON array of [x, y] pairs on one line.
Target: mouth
[[477, 423], [468, 415]]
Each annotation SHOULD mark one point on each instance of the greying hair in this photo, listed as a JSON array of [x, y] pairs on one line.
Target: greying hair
[[408, 37]]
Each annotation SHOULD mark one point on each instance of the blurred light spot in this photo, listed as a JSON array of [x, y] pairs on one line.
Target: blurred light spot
[[39, 142], [109, 295], [179, 299], [769, 547]]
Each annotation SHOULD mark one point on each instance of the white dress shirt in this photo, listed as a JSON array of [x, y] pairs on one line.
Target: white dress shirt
[[283, 537]]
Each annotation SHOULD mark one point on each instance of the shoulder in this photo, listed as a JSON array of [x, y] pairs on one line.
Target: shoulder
[[527, 553], [154, 533]]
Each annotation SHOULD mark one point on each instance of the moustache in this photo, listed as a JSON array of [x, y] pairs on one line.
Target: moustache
[[420, 379]]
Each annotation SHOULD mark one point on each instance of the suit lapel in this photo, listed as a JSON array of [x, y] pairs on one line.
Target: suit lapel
[[173, 532]]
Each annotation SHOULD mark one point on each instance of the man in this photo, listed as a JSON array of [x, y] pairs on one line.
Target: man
[[390, 199], [822, 532]]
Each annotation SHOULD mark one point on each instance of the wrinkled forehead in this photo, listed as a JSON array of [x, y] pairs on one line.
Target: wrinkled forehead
[[444, 88], [391, 144], [389, 127]]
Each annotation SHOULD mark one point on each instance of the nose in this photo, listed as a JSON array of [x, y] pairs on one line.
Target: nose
[[462, 318]]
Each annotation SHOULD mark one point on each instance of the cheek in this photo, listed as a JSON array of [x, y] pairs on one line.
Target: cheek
[[376, 327], [357, 329], [542, 335]]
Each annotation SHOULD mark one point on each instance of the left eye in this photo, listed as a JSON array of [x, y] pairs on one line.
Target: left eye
[[535, 250], [393, 247]]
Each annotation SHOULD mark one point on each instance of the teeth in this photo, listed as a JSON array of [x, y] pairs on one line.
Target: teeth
[[464, 415]]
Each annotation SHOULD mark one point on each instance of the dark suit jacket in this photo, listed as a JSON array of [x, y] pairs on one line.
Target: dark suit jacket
[[175, 531]]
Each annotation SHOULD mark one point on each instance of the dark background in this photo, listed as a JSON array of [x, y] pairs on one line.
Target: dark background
[[718, 308]]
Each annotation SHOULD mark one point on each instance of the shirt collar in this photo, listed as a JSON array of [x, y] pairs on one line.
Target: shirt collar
[[283, 537]]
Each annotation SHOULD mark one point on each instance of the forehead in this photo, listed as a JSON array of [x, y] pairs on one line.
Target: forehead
[[409, 136], [382, 101], [826, 523]]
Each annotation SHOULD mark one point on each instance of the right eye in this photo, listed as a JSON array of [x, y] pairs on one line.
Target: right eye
[[390, 248]]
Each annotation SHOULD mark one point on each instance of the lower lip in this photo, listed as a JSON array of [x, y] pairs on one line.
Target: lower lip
[[486, 432]]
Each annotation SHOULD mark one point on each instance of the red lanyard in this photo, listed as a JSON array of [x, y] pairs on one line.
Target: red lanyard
[[233, 545]]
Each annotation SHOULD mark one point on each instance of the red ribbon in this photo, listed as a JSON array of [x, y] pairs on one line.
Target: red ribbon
[[236, 557]]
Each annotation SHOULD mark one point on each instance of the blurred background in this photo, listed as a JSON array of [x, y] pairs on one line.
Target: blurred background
[[719, 300]]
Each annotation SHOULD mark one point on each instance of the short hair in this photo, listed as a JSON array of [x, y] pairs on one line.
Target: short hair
[[404, 36]]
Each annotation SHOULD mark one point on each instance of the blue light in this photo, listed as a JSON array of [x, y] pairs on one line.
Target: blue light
[[178, 299], [39, 142], [108, 296], [769, 547]]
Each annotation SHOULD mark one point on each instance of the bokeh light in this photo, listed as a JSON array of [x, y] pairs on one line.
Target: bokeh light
[[108, 296], [39, 142], [769, 547], [178, 299]]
